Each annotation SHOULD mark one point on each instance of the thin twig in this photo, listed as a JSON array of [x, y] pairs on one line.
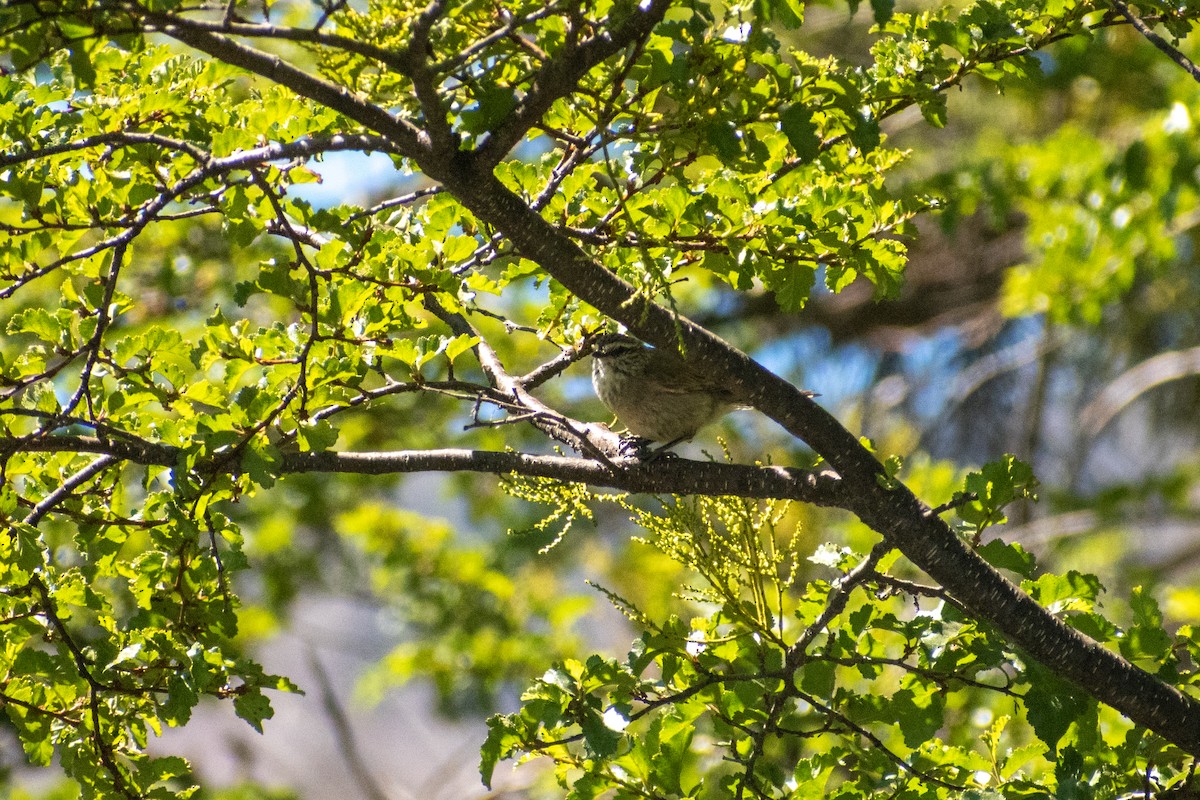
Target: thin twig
[[552, 368], [170, 23], [103, 748], [1162, 44], [839, 596], [959, 499], [876, 742], [549, 421], [68, 486]]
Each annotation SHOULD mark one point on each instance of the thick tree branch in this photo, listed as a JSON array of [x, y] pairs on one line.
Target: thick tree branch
[[665, 476], [425, 80]]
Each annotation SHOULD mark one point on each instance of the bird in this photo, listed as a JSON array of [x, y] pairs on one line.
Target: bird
[[656, 394]]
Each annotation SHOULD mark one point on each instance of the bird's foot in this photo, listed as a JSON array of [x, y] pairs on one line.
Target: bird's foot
[[641, 448], [637, 447]]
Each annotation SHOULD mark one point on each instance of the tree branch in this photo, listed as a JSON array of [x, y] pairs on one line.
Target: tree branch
[[68, 486], [393, 59], [1162, 44], [343, 731], [591, 439], [425, 80], [406, 138], [1136, 381], [889, 508], [103, 139], [665, 476], [560, 76], [210, 167]]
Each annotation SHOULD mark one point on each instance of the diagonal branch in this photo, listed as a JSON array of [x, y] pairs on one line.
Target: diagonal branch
[[888, 507], [560, 76], [393, 59], [68, 486], [876, 742], [343, 730], [405, 137], [595, 440], [1162, 44], [1136, 381], [508, 30]]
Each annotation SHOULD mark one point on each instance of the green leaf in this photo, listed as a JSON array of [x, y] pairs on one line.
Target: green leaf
[[459, 345], [994, 487], [922, 713], [1074, 590], [933, 108], [1146, 638], [792, 285], [883, 10], [254, 708], [864, 132], [1052, 705], [80, 59], [797, 124], [600, 739], [491, 105], [819, 678], [891, 471], [316, 436], [38, 321], [262, 462], [502, 740], [1010, 556], [181, 698], [723, 137]]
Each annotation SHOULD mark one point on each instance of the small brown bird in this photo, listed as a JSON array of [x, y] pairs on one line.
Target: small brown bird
[[655, 393]]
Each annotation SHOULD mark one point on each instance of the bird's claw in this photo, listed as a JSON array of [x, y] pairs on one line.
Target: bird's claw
[[643, 450], [634, 447]]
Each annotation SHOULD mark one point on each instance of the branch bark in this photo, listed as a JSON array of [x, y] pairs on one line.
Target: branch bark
[[666, 476], [394, 59], [407, 138], [560, 76], [1172, 52]]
